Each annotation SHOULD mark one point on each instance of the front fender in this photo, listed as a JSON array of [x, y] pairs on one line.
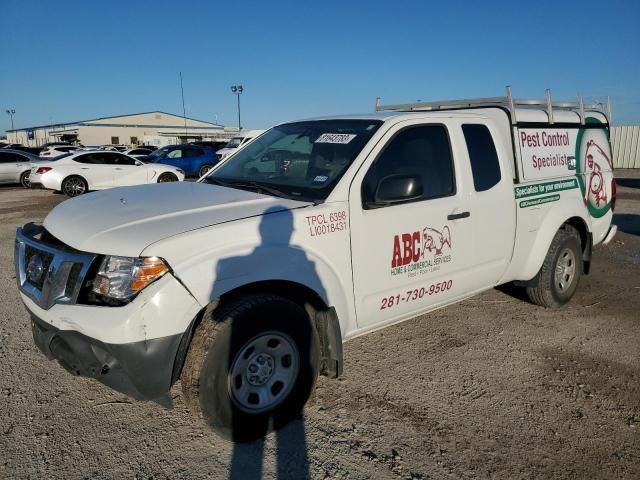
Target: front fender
[[213, 261]]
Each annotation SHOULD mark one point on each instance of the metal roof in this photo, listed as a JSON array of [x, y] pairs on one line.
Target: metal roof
[[86, 122]]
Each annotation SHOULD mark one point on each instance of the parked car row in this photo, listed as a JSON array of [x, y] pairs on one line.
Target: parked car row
[[77, 169], [15, 166], [78, 172]]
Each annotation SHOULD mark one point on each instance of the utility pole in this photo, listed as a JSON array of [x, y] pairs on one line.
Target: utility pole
[[237, 90], [184, 112]]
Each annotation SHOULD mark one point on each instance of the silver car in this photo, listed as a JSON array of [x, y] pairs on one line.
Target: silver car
[[15, 166]]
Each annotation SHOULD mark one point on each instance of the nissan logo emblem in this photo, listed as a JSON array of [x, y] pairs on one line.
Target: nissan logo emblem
[[35, 268]]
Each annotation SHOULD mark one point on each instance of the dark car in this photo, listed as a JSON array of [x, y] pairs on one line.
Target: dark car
[[31, 150], [195, 160], [212, 144]]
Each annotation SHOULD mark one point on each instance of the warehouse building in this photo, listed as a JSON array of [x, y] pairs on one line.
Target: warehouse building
[[152, 128]]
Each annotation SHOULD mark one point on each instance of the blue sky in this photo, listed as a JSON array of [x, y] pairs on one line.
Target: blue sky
[[74, 60]]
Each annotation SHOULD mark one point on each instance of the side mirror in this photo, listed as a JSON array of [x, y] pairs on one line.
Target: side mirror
[[397, 188], [138, 163]]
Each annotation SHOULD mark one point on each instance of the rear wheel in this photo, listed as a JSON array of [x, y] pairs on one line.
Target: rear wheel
[[167, 177], [204, 169], [74, 185], [561, 270], [24, 179], [251, 366]]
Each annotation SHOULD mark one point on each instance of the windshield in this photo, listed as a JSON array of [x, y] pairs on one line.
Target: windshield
[[299, 160], [234, 142]]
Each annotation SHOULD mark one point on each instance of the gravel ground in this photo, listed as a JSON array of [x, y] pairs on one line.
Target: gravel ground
[[493, 387]]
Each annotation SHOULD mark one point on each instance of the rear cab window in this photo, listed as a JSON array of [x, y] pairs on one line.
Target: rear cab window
[[485, 165]]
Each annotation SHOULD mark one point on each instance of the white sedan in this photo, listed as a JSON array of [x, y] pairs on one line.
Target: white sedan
[[78, 173]]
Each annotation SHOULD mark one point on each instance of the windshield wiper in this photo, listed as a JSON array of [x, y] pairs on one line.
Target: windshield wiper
[[251, 186]]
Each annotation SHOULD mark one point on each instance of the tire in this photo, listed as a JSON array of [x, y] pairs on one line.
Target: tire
[[226, 365], [74, 185], [561, 270], [24, 179], [204, 169], [167, 177]]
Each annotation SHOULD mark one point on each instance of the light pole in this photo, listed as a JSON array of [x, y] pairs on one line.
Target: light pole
[[11, 113], [237, 89]]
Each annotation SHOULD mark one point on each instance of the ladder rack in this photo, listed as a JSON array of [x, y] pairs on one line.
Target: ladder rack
[[509, 102]]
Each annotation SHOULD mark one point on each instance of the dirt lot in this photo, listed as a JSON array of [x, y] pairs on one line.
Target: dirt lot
[[490, 388]]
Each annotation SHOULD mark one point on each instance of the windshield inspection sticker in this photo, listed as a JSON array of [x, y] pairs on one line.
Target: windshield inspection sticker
[[341, 138], [321, 178]]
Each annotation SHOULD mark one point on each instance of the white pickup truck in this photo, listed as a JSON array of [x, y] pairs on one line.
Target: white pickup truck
[[245, 284]]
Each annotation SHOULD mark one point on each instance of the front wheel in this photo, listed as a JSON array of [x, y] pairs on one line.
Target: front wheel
[[561, 270], [24, 179], [167, 177], [251, 366], [204, 170], [74, 185]]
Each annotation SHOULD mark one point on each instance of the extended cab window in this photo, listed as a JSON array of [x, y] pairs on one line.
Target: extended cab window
[[422, 152], [483, 156]]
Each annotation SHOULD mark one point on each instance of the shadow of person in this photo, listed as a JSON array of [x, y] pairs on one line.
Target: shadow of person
[[273, 359]]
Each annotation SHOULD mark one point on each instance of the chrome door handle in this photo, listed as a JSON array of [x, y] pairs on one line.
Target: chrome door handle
[[457, 216]]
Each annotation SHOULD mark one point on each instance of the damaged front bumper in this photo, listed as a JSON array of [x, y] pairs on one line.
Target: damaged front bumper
[[143, 370], [136, 348]]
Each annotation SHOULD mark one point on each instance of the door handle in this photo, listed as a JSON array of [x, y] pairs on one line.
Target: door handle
[[457, 216], [117, 168]]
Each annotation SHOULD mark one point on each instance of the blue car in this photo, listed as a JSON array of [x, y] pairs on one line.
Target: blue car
[[195, 160]]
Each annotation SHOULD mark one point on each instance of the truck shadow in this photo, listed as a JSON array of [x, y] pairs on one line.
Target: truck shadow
[[276, 255], [628, 182], [519, 293], [627, 222]]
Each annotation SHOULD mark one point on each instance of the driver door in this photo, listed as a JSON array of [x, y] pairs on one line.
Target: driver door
[[412, 255]]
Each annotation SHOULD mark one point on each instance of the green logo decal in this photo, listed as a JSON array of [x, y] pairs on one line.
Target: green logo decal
[[534, 189], [594, 169], [539, 201]]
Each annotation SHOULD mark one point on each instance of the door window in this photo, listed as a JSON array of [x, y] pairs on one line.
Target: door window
[[124, 160], [192, 152], [97, 158], [7, 157], [91, 158], [423, 152], [177, 153], [483, 156]]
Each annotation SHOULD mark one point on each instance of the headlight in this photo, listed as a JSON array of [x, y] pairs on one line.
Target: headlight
[[122, 278]]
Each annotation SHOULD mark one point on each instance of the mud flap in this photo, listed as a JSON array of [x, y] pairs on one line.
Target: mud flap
[[330, 338]]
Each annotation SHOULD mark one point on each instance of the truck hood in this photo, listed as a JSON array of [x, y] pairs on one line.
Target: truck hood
[[124, 221]]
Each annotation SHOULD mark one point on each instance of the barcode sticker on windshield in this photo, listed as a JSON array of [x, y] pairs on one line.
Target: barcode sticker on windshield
[[342, 138]]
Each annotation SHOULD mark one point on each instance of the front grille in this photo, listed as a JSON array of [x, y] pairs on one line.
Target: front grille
[[57, 275], [73, 280]]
